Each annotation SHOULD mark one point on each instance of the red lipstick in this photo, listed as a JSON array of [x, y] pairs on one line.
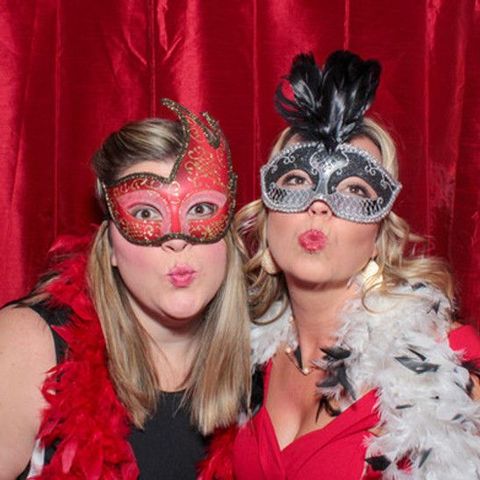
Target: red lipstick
[[181, 276], [312, 240]]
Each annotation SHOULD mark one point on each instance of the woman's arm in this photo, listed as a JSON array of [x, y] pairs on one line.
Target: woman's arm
[[26, 353]]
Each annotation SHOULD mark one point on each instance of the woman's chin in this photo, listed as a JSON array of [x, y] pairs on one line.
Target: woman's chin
[[315, 280]]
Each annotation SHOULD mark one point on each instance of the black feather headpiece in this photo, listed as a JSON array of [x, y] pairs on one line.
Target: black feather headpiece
[[329, 103]]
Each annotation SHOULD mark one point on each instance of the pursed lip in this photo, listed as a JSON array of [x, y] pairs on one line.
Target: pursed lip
[[312, 240], [181, 275]]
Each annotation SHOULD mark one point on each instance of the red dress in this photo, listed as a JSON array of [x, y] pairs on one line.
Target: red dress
[[334, 452]]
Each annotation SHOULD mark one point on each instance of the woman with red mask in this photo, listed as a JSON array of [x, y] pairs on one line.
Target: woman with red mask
[[135, 346]]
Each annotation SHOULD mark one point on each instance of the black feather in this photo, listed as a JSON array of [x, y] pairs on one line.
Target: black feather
[[378, 463], [328, 104], [418, 354], [423, 457], [256, 397], [328, 382], [417, 366], [336, 353]]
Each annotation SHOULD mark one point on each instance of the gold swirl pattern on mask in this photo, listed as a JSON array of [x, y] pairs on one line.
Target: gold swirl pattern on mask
[[140, 229], [196, 134], [212, 230], [202, 165], [139, 183]]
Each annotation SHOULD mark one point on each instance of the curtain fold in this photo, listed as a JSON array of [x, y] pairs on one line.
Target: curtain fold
[[71, 72]]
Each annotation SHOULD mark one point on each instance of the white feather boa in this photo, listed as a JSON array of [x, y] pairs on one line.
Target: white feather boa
[[399, 346]]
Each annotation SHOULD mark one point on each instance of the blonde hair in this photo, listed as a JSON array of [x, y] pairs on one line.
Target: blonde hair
[[400, 253], [397, 247], [219, 378]]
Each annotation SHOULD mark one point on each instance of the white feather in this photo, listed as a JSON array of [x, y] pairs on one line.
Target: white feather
[[267, 335], [442, 419]]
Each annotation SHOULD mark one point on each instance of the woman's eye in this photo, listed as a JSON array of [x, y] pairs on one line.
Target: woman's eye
[[356, 187], [146, 212], [358, 191], [202, 210], [293, 180]]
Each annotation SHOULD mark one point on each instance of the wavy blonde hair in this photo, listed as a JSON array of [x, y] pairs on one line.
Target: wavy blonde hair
[[400, 253]]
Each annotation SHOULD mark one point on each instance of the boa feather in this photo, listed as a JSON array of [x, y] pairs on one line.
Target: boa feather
[[84, 419], [269, 331], [399, 347], [219, 462]]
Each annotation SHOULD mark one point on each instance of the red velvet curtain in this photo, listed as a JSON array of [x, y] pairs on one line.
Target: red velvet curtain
[[72, 71]]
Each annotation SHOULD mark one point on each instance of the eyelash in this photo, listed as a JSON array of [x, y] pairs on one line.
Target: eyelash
[[291, 180], [360, 190], [212, 208], [145, 208]]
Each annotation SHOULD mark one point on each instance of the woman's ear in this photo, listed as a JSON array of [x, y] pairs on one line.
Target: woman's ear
[[113, 258]]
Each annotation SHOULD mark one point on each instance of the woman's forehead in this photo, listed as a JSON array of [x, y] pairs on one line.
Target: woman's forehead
[[368, 145], [162, 167]]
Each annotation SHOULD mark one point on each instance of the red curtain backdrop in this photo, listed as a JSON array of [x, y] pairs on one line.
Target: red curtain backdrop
[[73, 71]]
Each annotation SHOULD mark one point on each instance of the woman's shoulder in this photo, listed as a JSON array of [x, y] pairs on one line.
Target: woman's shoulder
[[27, 353], [405, 308], [20, 324], [415, 290], [26, 346], [26, 342]]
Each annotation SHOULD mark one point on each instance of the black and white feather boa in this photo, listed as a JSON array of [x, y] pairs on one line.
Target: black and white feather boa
[[398, 346]]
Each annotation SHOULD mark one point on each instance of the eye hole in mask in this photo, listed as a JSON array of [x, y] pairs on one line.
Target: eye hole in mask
[[356, 187], [295, 180]]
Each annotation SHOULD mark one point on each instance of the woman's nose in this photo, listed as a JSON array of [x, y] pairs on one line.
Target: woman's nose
[[319, 208], [175, 245]]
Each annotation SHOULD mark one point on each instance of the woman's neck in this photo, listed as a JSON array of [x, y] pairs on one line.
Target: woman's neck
[[315, 311], [172, 348]]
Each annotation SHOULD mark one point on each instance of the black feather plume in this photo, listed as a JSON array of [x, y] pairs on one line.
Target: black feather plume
[[328, 104]]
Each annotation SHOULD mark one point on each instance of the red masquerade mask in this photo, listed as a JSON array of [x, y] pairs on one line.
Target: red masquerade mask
[[196, 201]]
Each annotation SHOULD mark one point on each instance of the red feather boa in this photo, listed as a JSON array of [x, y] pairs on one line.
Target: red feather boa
[[84, 414], [219, 463]]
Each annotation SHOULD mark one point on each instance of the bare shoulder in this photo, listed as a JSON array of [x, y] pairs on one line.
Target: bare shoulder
[[25, 337], [15, 317], [26, 354]]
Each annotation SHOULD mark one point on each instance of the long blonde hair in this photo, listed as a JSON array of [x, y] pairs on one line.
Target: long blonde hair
[[218, 382], [398, 257]]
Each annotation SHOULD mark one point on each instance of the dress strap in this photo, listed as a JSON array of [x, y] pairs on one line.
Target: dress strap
[[54, 317]]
